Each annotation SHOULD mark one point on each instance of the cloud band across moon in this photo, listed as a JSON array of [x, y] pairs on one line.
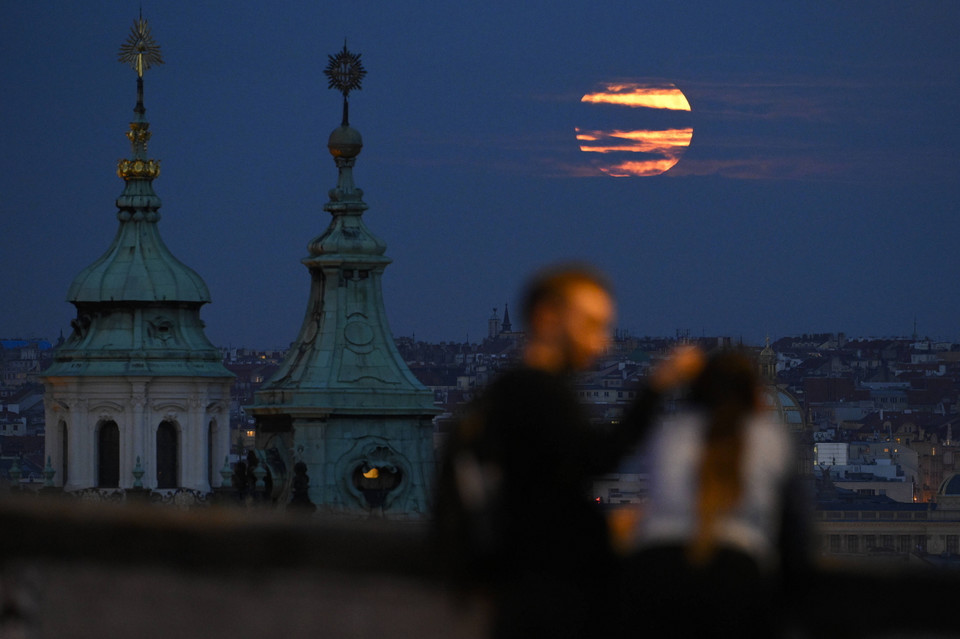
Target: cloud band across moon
[[660, 149], [635, 94]]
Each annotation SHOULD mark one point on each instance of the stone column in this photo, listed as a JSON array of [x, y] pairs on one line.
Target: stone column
[[219, 413], [149, 434], [82, 445], [53, 413], [193, 449], [138, 400]]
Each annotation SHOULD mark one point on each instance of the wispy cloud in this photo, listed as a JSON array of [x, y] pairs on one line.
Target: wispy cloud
[[634, 94], [640, 168], [668, 141], [666, 147], [747, 128], [826, 128], [761, 167]]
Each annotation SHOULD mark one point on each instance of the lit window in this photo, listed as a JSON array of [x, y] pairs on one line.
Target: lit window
[[251, 433]]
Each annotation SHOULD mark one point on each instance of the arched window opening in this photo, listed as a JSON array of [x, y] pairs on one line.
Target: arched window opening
[[64, 452], [108, 455], [211, 469], [167, 476], [376, 482]]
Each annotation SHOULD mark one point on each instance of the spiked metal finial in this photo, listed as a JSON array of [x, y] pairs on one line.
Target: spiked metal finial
[[140, 50], [345, 71]]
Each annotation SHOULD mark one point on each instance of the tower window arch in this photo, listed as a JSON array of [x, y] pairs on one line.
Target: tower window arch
[[211, 438], [108, 455], [167, 455], [64, 451]]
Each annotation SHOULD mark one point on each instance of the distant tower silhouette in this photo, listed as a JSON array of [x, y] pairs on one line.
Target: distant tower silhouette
[[137, 385], [343, 402], [505, 327], [493, 325], [768, 364]]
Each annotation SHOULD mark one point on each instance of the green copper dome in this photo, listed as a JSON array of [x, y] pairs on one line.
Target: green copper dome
[[138, 307], [138, 266]]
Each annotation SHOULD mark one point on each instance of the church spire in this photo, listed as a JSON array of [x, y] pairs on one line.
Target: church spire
[[141, 52], [343, 381], [347, 321], [138, 266], [345, 72], [138, 342], [505, 325]]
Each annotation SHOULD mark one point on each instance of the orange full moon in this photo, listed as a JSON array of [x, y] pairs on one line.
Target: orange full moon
[[627, 152]]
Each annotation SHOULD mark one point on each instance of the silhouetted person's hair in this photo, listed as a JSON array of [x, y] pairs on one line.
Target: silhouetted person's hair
[[550, 285], [727, 390]]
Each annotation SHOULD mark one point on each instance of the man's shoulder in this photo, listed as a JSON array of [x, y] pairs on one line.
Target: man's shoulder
[[524, 378], [521, 373]]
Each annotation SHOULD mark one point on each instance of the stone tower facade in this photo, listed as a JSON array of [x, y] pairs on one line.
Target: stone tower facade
[[343, 402], [137, 395], [768, 364]]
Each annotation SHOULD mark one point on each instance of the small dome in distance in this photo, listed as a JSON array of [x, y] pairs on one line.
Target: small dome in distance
[[950, 487]]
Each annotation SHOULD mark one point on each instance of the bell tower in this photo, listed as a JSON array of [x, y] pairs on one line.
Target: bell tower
[[343, 401], [137, 396]]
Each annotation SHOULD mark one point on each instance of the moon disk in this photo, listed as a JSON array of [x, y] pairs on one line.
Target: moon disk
[[654, 151]]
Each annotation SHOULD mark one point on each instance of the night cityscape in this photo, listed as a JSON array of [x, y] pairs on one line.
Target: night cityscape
[[884, 408], [770, 181]]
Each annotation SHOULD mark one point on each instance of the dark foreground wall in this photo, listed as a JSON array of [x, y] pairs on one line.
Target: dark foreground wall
[[72, 570], [75, 570], [79, 600]]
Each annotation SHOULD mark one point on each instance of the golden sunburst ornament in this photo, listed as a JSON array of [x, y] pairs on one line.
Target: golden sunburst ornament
[[345, 71], [140, 50]]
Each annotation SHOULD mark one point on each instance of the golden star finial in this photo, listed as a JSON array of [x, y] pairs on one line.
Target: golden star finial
[[140, 50]]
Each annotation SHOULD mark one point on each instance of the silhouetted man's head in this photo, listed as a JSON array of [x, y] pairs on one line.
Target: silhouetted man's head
[[568, 311]]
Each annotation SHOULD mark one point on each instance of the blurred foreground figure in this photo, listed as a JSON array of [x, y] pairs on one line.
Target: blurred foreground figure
[[513, 509], [723, 525]]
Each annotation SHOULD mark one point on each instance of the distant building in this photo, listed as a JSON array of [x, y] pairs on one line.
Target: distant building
[[21, 362], [876, 528]]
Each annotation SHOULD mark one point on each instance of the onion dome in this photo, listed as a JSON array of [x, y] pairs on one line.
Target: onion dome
[[138, 266], [950, 486]]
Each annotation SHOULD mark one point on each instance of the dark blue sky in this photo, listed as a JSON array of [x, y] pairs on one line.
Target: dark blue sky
[[819, 193]]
